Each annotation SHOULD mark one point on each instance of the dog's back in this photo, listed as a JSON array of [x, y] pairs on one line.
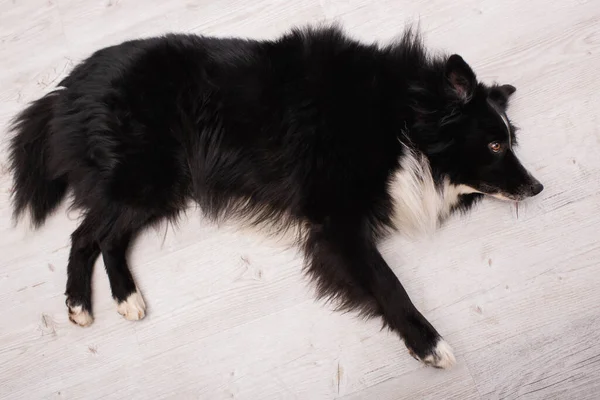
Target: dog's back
[[266, 129]]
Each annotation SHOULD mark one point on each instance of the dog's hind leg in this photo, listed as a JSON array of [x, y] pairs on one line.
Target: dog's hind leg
[[83, 255], [344, 260], [114, 245], [130, 303]]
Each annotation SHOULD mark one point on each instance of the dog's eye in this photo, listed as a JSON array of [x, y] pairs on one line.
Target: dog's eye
[[496, 147]]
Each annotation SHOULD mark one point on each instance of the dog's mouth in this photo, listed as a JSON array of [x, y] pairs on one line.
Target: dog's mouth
[[525, 191], [507, 196]]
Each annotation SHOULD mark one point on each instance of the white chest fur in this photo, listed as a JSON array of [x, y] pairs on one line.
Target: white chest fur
[[419, 203]]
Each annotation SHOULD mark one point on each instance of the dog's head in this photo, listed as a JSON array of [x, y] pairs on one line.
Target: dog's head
[[481, 138]]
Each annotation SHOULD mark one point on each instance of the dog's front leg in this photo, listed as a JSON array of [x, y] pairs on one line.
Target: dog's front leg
[[345, 262]]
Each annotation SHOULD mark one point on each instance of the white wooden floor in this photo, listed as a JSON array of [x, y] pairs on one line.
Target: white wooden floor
[[517, 294]]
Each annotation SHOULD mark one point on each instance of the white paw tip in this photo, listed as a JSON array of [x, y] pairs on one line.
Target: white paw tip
[[133, 308], [80, 316], [442, 356]]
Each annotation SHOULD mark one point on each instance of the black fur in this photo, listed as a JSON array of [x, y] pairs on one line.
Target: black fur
[[307, 130], [34, 187]]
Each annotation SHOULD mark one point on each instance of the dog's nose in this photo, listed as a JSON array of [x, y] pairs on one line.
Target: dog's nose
[[536, 188]]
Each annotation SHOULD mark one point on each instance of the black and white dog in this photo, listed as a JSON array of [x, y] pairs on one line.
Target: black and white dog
[[341, 141]]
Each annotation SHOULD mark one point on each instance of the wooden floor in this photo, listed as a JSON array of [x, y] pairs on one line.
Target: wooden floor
[[515, 292]]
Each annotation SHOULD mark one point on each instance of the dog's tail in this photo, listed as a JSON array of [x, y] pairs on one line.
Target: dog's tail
[[34, 187]]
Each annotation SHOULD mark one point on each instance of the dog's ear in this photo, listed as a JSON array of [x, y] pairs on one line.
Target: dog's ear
[[507, 89], [461, 78], [501, 94]]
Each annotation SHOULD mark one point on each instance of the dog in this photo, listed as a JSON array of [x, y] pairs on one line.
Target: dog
[[340, 141]]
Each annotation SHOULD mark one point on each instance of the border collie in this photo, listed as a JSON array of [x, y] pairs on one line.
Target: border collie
[[340, 141]]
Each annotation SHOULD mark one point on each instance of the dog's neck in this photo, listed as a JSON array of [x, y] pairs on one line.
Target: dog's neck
[[421, 201]]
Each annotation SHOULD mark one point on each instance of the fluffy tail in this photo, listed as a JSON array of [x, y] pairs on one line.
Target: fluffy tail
[[34, 187]]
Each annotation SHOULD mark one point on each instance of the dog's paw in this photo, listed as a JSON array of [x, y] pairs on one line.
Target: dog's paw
[[133, 308], [79, 315], [439, 356], [442, 356]]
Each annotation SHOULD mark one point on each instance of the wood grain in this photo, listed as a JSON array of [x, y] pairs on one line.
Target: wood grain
[[230, 314]]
